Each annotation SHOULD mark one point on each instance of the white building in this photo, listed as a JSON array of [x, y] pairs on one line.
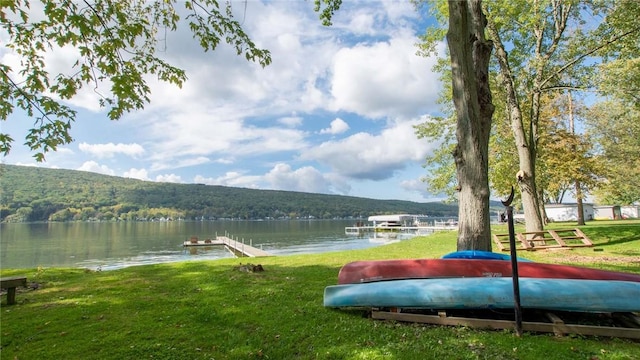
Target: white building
[[630, 211], [607, 212], [568, 212]]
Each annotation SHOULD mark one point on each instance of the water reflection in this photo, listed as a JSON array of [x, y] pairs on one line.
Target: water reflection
[[116, 245], [148, 257]]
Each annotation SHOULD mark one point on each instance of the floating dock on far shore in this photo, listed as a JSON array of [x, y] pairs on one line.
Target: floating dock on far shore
[[238, 248]]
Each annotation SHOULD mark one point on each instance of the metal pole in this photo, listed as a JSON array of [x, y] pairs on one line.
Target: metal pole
[[514, 264]]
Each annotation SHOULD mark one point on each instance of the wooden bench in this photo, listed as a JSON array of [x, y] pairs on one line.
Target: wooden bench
[[11, 283]]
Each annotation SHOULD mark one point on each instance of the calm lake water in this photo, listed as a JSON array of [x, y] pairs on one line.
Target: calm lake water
[[116, 245]]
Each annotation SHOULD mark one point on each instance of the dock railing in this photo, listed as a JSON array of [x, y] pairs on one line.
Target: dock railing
[[236, 246]]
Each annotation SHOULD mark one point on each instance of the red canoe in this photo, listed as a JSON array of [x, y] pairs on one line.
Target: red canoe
[[368, 271]]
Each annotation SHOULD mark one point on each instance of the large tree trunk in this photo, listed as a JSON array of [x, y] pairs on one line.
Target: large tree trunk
[[470, 55], [526, 177], [526, 146]]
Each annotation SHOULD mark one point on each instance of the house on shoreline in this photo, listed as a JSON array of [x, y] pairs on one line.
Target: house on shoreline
[[569, 212]]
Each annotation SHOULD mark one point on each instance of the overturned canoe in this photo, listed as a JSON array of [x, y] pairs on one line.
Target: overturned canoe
[[479, 255], [489, 293], [368, 271]]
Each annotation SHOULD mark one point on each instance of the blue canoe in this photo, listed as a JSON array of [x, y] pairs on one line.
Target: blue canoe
[[479, 255], [489, 293]]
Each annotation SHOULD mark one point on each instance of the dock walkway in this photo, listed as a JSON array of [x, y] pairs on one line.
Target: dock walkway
[[238, 248]]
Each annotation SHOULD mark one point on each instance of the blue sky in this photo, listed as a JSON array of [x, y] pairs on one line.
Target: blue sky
[[333, 113]]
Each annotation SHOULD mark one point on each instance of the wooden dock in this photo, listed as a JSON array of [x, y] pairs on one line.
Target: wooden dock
[[194, 241], [240, 249], [236, 247]]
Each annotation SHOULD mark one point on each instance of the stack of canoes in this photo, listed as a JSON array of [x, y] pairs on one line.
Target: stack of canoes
[[481, 280]]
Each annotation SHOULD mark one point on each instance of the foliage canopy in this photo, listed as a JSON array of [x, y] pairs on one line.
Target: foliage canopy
[[545, 50], [615, 127], [114, 45]]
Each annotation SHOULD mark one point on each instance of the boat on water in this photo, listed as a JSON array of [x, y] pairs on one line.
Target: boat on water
[[484, 265], [488, 293], [400, 223]]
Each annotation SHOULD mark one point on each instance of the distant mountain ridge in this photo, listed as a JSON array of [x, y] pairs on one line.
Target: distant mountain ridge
[[41, 194]]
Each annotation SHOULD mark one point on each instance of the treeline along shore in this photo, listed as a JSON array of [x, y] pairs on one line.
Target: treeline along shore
[[30, 194]]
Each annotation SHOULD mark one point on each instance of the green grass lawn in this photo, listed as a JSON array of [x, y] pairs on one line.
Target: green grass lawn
[[210, 310]]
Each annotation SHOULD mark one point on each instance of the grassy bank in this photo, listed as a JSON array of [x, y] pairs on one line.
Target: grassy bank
[[211, 310]]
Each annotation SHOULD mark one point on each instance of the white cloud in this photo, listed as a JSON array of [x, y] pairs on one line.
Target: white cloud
[[419, 187], [338, 126], [197, 130], [399, 12], [34, 164], [93, 166], [374, 157], [172, 178], [375, 18], [269, 140], [384, 79], [282, 177], [200, 133], [339, 184], [110, 149], [228, 100], [225, 161], [231, 178], [362, 23], [140, 174], [305, 179], [291, 121], [178, 163], [63, 150], [413, 185]]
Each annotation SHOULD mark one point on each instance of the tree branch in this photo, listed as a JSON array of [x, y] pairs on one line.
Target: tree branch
[[590, 52], [25, 95]]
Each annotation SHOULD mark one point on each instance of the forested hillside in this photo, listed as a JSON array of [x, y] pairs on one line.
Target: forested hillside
[[39, 194]]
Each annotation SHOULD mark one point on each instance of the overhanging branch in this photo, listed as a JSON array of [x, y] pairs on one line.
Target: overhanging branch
[[588, 53]]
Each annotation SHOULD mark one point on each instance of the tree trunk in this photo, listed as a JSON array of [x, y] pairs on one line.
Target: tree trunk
[[526, 176], [525, 145], [543, 211], [470, 55], [577, 182], [537, 224], [580, 205]]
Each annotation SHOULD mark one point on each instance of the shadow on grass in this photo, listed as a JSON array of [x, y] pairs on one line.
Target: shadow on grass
[[212, 309], [613, 234], [191, 310]]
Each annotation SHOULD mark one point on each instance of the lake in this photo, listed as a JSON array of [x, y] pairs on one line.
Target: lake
[[115, 245]]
